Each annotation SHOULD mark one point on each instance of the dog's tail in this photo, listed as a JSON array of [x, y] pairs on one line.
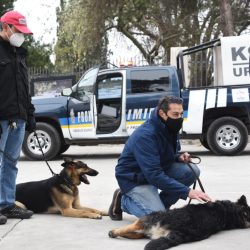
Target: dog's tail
[[172, 239]]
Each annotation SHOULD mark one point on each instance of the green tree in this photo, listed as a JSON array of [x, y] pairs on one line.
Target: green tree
[[152, 25], [38, 54], [5, 5], [156, 25], [81, 38]]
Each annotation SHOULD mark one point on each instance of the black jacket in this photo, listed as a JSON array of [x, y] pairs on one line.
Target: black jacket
[[15, 101]]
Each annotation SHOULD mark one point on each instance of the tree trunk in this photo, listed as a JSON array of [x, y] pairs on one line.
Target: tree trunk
[[226, 18]]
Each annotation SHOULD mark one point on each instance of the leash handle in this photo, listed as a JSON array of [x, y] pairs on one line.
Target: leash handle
[[197, 177], [195, 157], [43, 154]]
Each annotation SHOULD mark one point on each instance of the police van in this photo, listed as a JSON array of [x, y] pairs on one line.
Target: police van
[[106, 106]]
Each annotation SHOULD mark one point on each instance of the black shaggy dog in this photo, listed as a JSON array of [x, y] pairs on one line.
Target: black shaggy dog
[[190, 223]]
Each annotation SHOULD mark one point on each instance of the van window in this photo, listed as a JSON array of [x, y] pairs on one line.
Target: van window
[[143, 81], [109, 86], [86, 83]]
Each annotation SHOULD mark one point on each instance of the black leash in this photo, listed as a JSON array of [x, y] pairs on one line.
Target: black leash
[[43, 154], [65, 178], [197, 177], [67, 181]]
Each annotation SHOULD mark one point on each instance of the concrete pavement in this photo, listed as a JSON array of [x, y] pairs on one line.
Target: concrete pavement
[[222, 177]]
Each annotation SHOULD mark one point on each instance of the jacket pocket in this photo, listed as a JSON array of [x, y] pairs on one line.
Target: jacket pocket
[[4, 66], [4, 62]]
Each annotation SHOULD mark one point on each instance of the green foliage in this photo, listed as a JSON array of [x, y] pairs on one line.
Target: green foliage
[[152, 25], [38, 54], [81, 38], [156, 25], [5, 5]]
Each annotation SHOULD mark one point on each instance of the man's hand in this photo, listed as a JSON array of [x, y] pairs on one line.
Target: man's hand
[[31, 124], [185, 157], [198, 195]]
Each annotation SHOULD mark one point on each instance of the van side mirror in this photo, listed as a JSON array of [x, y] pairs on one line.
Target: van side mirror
[[66, 92]]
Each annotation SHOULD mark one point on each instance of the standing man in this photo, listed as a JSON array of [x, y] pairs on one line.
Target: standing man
[[16, 110], [150, 162]]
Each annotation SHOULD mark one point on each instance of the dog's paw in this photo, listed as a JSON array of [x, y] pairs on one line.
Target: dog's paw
[[97, 217], [112, 235], [103, 213]]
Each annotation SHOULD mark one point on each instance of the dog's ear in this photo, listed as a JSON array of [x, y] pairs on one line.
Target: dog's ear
[[67, 160], [64, 164], [80, 164], [242, 201]]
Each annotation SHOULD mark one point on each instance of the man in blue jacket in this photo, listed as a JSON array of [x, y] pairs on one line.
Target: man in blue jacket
[[150, 162]]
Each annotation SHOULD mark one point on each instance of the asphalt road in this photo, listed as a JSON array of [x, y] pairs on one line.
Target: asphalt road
[[222, 177]]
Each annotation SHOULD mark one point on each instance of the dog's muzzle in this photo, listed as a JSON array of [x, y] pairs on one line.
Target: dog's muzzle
[[83, 177], [92, 172]]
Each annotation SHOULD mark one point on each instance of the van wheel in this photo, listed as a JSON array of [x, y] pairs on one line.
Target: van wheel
[[203, 140], [49, 139], [227, 136], [63, 148]]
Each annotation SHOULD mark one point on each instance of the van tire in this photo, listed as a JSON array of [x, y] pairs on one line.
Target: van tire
[[63, 148], [203, 141], [227, 136], [49, 140]]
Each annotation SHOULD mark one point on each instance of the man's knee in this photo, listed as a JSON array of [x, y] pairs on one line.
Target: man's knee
[[141, 205], [195, 170], [193, 173]]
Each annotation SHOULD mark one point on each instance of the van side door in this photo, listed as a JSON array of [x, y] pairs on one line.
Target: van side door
[[82, 107]]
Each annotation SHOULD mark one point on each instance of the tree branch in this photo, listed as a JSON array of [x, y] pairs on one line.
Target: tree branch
[[134, 40]]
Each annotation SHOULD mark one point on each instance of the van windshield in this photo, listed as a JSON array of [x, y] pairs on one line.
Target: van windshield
[[87, 81]]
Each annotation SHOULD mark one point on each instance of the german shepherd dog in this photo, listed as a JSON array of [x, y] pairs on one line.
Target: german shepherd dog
[[59, 194], [190, 223]]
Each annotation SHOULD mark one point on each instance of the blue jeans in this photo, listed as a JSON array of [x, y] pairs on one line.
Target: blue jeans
[[10, 147], [145, 199]]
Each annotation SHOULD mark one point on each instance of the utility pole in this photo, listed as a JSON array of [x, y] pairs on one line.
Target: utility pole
[[226, 18]]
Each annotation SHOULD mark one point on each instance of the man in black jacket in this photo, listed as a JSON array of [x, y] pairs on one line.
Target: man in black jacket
[[16, 110]]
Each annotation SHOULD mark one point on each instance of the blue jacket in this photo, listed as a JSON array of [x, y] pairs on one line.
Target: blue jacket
[[146, 156]]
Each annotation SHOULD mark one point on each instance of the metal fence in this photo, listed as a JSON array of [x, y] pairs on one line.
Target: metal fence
[[80, 69], [50, 80]]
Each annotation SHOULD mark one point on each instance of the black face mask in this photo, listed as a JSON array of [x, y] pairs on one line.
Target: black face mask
[[174, 125]]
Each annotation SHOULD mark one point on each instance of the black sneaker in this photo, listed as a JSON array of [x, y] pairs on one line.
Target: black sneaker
[[3, 219], [115, 211], [16, 212]]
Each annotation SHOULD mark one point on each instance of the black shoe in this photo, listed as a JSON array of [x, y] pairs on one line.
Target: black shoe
[[115, 211], [16, 212], [3, 219]]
